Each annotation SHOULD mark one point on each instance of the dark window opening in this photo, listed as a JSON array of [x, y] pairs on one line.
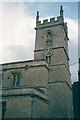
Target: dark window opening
[[0, 80], [16, 79], [3, 106], [48, 59]]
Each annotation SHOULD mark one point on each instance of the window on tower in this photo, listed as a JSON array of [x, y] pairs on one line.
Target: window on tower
[[47, 55], [48, 59], [49, 38]]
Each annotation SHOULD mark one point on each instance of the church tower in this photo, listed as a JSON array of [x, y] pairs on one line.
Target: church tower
[[52, 45]]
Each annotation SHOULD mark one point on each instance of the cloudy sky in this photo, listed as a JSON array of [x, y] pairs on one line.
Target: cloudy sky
[[17, 23]]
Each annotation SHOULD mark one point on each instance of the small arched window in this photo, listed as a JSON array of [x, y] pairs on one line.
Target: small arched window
[[16, 79], [49, 38]]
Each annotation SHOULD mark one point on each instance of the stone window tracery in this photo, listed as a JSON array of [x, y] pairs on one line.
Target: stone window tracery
[[49, 38]]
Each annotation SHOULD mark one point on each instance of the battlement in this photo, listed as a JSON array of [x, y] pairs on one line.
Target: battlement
[[52, 21]]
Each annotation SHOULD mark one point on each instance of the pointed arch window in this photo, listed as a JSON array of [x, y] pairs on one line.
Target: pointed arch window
[[49, 38], [48, 59]]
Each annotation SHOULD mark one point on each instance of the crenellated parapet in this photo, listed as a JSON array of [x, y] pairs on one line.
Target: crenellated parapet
[[52, 21]]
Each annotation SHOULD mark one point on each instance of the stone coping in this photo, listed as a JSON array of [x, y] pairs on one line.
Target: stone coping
[[23, 64], [26, 61]]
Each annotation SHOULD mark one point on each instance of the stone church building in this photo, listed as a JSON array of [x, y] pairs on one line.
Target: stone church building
[[40, 88]]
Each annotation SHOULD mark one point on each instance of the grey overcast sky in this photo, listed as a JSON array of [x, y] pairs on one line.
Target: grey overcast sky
[[17, 34]]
